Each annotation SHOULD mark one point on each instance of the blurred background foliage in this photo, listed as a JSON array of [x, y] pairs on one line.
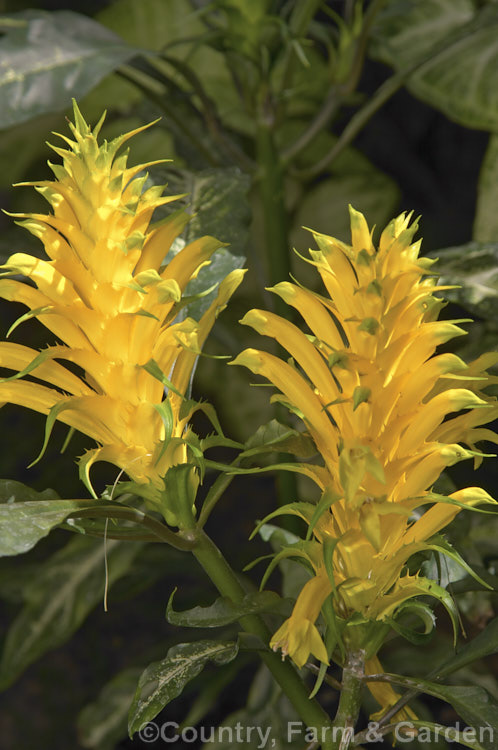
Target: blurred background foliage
[[276, 114]]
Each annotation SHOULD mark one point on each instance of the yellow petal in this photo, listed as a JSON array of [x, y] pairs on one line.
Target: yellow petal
[[159, 242], [18, 357], [187, 261], [431, 414], [433, 520], [313, 312], [298, 346], [287, 380], [384, 694]]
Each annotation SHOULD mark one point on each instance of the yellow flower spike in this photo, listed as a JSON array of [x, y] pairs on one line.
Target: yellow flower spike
[[104, 293], [390, 433]]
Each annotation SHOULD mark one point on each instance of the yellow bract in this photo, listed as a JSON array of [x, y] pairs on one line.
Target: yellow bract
[[104, 293], [379, 405]]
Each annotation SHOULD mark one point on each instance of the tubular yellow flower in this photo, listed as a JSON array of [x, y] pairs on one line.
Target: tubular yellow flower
[[298, 635], [105, 295], [378, 403]]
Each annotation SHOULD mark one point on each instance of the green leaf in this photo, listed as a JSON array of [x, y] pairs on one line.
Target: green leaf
[[327, 499], [20, 146], [218, 200], [23, 524], [180, 490], [475, 706], [294, 574], [160, 26], [153, 369], [474, 268], [458, 43], [328, 555], [102, 724], [277, 537], [12, 491], [313, 471], [164, 680], [442, 569], [222, 262], [441, 545], [223, 611], [431, 588], [151, 23], [449, 733], [57, 600], [424, 613], [361, 394], [300, 508], [274, 436], [482, 645], [48, 58], [165, 411], [486, 220]]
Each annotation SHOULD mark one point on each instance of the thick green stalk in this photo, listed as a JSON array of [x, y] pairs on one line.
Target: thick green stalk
[[275, 220], [225, 580], [350, 701]]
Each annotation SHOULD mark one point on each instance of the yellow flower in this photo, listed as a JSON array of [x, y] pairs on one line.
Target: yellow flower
[[298, 635], [104, 293], [380, 407]]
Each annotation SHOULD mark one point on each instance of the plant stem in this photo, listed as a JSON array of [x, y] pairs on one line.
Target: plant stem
[[219, 486], [327, 678], [275, 220], [160, 530], [357, 122], [317, 124], [272, 195], [225, 580], [350, 699]]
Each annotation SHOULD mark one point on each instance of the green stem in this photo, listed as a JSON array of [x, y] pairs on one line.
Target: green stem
[[219, 486], [317, 124], [357, 122], [275, 220], [328, 679], [225, 580], [160, 531], [350, 699]]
